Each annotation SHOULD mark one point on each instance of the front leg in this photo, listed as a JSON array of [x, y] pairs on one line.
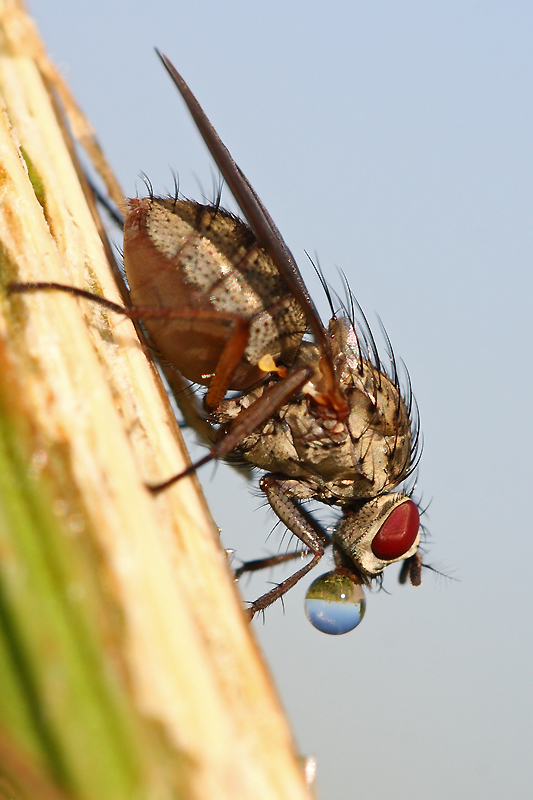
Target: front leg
[[299, 522]]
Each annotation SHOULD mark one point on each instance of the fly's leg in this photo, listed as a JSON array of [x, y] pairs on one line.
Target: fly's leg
[[232, 352], [39, 286], [248, 420], [229, 360], [272, 561], [299, 522], [259, 564], [193, 413]]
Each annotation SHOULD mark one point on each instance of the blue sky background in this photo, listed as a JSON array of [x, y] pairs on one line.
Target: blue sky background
[[395, 141]]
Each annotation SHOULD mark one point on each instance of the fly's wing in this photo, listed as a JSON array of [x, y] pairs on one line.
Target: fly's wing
[[262, 225]]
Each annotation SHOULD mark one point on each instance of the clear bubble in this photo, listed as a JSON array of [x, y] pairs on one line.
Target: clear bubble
[[334, 604]]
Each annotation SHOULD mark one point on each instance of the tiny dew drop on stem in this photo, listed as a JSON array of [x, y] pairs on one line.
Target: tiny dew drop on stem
[[223, 301]]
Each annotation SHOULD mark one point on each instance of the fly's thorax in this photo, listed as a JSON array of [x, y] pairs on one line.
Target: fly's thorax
[[380, 426], [375, 533], [205, 261], [336, 460], [378, 419], [321, 454]]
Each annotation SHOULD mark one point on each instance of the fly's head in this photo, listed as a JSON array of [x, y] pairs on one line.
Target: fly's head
[[371, 535], [375, 533]]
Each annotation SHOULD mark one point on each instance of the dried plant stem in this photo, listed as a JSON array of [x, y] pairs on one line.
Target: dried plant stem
[[127, 668]]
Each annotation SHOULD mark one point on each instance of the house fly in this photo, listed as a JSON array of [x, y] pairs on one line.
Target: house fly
[[223, 301]]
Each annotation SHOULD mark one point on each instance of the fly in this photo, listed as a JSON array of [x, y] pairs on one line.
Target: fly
[[224, 302]]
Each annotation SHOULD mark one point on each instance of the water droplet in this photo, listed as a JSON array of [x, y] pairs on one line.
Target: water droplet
[[334, 604]]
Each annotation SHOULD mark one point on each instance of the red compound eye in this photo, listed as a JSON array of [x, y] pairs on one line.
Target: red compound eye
[[398, 533]]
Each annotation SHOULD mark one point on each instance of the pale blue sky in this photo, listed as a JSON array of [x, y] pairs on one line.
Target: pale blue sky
[[395, 140]]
